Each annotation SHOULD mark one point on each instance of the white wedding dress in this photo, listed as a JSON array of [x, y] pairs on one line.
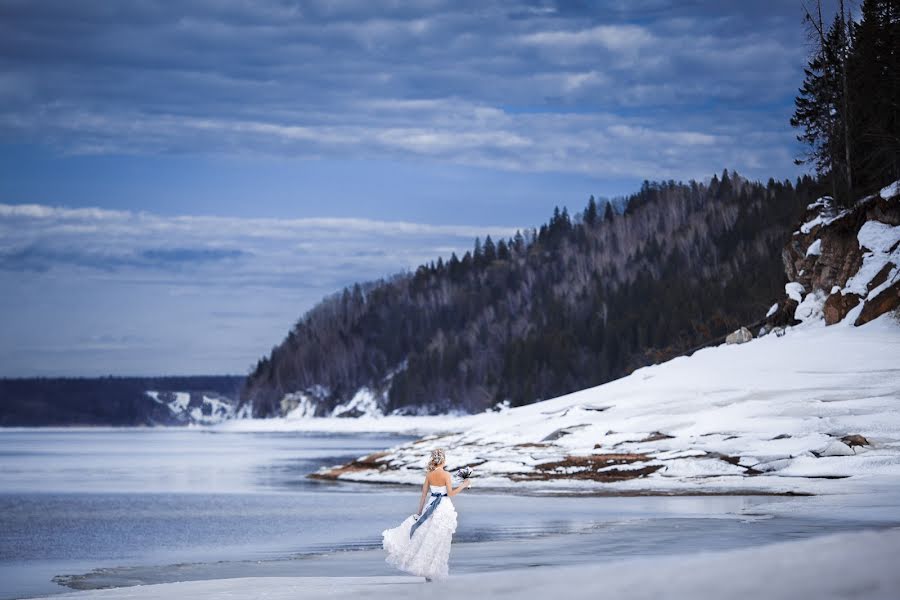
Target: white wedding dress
[[425, 553]]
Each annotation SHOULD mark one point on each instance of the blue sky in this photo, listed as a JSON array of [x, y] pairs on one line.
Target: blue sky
[[179, 182]]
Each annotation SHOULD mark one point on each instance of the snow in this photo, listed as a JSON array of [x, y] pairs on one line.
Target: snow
[[772, 310], [180, 404], [212, 409], [814, 249], [878, 237], [388, 424], [890, 191], [306, 405], [364, 402], [883, 244], [810, 309], [794, 291], [823, 220], [844, 565], [771, 403]]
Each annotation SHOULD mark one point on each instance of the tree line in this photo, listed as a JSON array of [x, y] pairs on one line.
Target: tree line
[[579, 301], [848, 107]]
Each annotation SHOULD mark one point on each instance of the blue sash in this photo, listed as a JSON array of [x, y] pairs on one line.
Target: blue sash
[[427, 512]]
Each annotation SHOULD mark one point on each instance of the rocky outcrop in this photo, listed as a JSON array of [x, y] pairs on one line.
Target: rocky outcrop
[[740, 336], [837, 306], [887, 300], [842, 261]]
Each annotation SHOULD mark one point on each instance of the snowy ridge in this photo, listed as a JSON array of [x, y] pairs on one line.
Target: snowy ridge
[[199, 408], [846, 260], [768, 415]]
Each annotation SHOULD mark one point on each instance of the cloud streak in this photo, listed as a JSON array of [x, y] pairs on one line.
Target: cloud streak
[[502, 85], [93, 291]]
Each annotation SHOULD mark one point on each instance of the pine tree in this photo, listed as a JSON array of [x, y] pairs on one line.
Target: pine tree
[[608, 214], [490, 251], [590, 213], [874, 73]]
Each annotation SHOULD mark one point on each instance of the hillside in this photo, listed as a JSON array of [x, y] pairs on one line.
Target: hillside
[[120, 401], [580, 301], [808, 409]]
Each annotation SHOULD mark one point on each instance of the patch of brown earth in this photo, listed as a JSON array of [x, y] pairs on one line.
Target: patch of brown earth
[[372, 462], [656, 436], [589, 467]]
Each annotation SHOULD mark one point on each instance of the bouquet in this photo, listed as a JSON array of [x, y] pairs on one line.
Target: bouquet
[[464, 472]]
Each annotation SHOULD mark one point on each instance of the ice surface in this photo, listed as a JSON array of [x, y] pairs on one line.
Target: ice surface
[[845, 565]]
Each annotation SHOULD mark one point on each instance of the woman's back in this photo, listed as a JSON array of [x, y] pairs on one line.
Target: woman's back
[[438, 477]]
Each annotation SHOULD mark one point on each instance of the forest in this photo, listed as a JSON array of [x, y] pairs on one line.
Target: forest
[[579, 301], [847, 109], [590, 297]]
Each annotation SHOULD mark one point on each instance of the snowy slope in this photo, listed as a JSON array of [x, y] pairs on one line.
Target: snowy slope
[[767, 415]]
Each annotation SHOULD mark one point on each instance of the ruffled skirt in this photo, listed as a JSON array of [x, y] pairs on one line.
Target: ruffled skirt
[[428, 552]]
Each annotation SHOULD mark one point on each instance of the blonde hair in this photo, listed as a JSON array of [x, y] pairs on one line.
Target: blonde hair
[[437, 457]]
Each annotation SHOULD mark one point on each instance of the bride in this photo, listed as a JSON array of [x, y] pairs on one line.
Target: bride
[[421, 544]]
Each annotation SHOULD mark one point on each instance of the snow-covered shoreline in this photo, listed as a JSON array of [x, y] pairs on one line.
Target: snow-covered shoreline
[[773, 415], [846, 565]]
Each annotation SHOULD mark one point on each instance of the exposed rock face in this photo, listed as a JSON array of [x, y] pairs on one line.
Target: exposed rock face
[[830, 255], [887, 300], [837, 306]]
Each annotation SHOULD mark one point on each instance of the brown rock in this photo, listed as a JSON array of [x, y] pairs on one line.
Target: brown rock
[[372, 462], [881, 276], [656, 436], [838, 305], [589, 467], [855, 440], [887, 300], [783, 316]]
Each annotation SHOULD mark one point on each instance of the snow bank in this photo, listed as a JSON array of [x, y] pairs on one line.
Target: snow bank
[[195, 408], [846, 565], [882, 243], [752, 417], [890, 191]]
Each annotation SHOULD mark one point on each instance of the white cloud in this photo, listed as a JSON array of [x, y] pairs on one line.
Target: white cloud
[[441, 81], [613, 37], [90, 290]]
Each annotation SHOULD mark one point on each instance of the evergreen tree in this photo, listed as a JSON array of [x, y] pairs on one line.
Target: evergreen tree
[[608, 213], [590, 213], [847, 108], [874, 73], [490, 251]]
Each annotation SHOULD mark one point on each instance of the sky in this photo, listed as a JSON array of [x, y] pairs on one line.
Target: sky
[[180, 182]]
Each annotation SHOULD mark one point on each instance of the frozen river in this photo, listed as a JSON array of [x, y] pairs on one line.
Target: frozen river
[[98, 508]]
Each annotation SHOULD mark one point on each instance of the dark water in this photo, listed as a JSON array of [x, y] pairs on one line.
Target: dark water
[[119, 507]]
